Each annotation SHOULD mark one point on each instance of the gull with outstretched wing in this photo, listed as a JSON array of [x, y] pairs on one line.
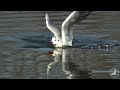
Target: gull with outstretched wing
[[64, 37]]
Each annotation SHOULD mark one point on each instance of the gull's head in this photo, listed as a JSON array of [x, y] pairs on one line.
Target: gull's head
[[56, 41]]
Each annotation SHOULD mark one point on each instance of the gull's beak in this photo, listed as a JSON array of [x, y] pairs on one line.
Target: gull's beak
[[50, 52], [51, 43]]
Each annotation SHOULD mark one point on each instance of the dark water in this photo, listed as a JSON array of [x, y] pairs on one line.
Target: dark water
[[26, 54]]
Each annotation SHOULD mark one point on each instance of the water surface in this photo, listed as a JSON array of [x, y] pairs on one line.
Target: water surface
[[26, 54]]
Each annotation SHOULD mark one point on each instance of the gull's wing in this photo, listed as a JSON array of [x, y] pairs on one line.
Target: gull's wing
[[52, 27], [73, 18]]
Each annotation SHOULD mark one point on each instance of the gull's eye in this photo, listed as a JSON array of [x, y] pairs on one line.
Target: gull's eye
[[58, 40], [55, 39]]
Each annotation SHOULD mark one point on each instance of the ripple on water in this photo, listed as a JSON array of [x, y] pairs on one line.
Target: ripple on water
[[41, 40]]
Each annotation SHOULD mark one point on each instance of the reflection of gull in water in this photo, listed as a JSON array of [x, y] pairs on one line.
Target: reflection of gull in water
[[63, 57], [57, 54], [65, 36]]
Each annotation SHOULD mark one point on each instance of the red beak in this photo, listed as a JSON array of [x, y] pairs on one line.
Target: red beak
[[50, 43], [50, 52]]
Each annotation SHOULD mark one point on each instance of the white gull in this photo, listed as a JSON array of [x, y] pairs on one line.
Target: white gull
[[64, 37]]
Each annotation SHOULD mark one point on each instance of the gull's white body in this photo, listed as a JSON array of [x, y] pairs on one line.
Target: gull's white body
[[64, 37]]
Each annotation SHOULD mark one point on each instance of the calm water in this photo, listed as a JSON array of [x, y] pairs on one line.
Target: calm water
[[26, 54]]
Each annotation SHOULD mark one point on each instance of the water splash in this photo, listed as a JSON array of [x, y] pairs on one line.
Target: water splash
[[41, 40]]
